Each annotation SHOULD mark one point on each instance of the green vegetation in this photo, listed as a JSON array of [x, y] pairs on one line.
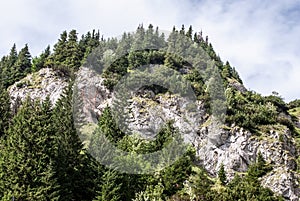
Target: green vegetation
[[42, 157]]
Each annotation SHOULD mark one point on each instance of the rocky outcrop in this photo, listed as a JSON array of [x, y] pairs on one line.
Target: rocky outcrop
[[145, 112], [237, 148], [39, 85], [216, 143], [283, 181]]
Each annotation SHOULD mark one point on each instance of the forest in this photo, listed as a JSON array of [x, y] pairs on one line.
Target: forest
[[42, 157]]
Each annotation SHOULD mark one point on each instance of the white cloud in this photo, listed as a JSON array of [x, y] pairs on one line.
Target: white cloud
[[259, 37]]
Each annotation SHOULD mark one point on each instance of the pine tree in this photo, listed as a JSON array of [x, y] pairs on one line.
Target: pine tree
[[222, 175], [201, 185], [259, 168], [110, 187], [8, 67], [23, 64], [150, 40], [139, 37], [189, 33], [26, 168], [226, 71], [74, 168], [59, 52], [40, 62], [73, 52], [89, 42], [182, 31], [108, 126], [5, 113]]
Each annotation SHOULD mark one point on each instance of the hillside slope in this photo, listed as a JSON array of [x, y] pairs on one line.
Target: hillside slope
[[146, 81]]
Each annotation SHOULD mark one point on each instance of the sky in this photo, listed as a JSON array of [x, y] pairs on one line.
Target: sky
[[260, 38]]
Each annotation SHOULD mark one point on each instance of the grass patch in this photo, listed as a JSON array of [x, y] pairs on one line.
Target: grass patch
[[207, 123], [295, 111], [264, 129], [86, 132]]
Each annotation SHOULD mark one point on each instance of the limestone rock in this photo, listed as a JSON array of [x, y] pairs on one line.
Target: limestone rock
[[38, 85]]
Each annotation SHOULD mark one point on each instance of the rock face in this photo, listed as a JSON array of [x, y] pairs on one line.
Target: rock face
[[235, 147], [39, 85], [238, 148], [145, 112]]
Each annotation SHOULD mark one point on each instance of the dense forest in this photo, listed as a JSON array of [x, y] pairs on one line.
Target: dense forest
[[43, 158]]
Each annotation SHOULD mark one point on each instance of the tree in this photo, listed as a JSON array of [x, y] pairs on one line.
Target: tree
[[59, 52], [222, 175], [40, 62], [110, 186], [13, 56], [8, 67], [189, 33], [89, 42], [26, 167], [74, 168], [5, 113], [23, 64], [259, 168], [73, 52], [139, 37], [201, 185], [107, 124]]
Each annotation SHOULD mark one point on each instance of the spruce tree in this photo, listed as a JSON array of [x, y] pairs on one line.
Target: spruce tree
[[5, 113], [110, 186], [40, 62], [23, 64], [26, 168], [73, 52], [222, 175], [59, 54], [189, 33], [8, 67], [74, 168], [107, 124]]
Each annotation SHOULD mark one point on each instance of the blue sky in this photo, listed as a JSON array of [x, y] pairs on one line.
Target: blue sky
[[259, 37]]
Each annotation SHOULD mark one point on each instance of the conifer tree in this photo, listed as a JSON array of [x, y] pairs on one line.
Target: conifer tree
[[5, 113], [26, 167], [59, 54], [108, 126], [23, 64], [139, 37], [222, 175], [189, 33], [150, 40], [13, 56], [40, 62], [110, 186], [74, 168], [73, 52], [8, 67]]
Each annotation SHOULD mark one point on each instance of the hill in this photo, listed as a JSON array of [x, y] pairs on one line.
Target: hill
[[143, 117]]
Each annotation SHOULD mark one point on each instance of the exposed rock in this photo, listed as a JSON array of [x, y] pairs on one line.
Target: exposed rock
[[235, 147], [238, 86], [284, 182], [90, 97], [39, 85], [146, 112], [238, 148]]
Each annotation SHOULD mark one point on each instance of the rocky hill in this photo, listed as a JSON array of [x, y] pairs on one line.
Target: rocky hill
[[134, 87], [233, 146]]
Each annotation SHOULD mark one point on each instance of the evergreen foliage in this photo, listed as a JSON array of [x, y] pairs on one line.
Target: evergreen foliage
[[73, 167], [5, 112], [26, 166], [222, 175], [40, 62], [42, 157]]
